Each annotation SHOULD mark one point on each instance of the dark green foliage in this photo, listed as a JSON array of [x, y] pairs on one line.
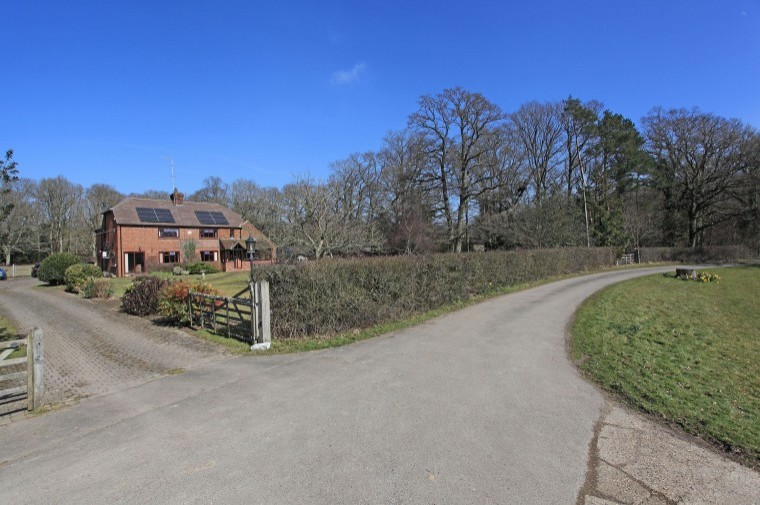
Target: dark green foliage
[[77, 274], [719, 254], [199, 268], [97, 288], [327, 297], [143, 297], [53, 268]]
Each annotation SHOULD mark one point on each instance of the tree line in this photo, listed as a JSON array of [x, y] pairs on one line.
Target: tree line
[[464, 174]]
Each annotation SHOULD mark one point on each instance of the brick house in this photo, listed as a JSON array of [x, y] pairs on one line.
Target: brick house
[[141, 234]]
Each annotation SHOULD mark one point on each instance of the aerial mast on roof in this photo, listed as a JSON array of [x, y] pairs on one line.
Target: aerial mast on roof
[[171, 164]]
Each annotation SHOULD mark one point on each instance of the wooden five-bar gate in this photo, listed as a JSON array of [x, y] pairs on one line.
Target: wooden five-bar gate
[[244, 316], [21, 384]]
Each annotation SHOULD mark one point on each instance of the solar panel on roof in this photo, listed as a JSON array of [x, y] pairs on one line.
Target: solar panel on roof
[[146, 215], [211, 218], [204, 217], [218, 218], [151, 215], [164, 216]]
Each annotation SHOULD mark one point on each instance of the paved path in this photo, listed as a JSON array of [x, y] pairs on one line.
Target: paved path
[[480, 406], [89, 349]]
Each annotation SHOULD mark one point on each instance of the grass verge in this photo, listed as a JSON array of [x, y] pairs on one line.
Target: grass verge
[[9, 332], [685, 351]]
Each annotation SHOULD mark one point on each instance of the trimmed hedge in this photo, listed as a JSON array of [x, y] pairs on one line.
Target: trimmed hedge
[[53, 268], [201, 268], [716, 254], [326, 297]]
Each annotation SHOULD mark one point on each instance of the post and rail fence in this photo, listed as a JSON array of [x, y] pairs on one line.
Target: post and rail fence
[[244, 316], [21, 385]]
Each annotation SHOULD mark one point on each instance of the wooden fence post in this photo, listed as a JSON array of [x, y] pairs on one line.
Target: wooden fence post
[[262, 287], [35, 370]]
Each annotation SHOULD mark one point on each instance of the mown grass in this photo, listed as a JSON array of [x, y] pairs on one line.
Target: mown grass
[[229, 283], [686, 351], [9, 332]]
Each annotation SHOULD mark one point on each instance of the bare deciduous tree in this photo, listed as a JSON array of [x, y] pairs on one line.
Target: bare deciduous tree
[[459, 127], [697, 157]]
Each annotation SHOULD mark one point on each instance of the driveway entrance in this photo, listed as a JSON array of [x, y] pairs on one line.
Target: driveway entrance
[[90, 349]]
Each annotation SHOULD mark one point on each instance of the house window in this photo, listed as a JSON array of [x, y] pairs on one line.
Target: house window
[[208, 232], [169, 257], [232, 233], [208, 255], [168, 232]]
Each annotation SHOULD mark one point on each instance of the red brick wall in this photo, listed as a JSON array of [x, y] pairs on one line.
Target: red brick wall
[[145, 239]]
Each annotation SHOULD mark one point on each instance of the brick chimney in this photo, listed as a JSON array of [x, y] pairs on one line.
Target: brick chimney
[[177, 197]]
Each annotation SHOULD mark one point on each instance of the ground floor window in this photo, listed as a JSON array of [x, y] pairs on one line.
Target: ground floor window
[[208, 256], [169, 257]]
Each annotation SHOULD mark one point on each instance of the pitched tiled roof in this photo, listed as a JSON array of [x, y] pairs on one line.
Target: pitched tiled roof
[[184, 215]]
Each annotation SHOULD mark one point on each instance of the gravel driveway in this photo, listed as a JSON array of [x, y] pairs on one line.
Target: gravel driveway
[[90, 349]]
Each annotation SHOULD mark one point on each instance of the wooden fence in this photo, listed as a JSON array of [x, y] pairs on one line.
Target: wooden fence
[[244, 316], [21, 385]]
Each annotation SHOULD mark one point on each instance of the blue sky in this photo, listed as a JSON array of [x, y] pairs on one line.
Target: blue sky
[[101, 91]]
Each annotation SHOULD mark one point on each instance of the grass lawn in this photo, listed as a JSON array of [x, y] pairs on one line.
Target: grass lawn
[[229, 283], [9, 332], [686, 351]]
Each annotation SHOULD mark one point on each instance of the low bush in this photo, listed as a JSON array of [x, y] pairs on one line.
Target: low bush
[[178, 270], [322, 298], [53, 268], [77, 274], [143, 296], [174, 300], [155, 268], [201, 268], [97, 288]]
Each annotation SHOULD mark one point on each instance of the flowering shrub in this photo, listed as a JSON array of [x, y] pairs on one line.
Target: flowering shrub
[[708, 277], [702, 277]]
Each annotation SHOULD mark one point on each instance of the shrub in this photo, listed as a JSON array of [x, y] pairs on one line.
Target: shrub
[[53, 268], [201, 268], [333, 296], [97, 288], [77, 274], [178, 270], [143, 296], [174, 300], [716, 254]]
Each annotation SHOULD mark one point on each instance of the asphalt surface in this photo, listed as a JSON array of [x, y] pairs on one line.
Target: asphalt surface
[[479, 406]]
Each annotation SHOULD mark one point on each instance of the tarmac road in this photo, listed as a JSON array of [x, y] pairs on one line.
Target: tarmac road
[[479, 406]]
